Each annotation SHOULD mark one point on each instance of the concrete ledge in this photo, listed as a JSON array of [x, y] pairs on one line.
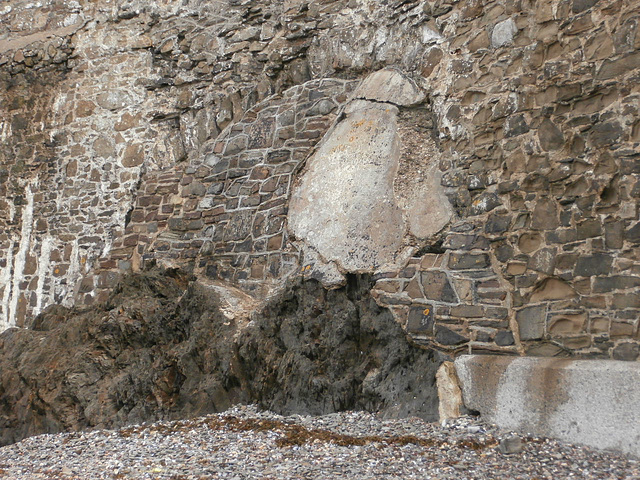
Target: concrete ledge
[[592, 402]]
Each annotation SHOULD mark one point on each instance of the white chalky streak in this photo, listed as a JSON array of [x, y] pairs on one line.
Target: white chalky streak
[[73, 275], [21, 257], [44, 262], [5, 281]]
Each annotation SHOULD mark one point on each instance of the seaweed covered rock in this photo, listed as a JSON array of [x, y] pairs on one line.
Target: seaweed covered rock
[[165, 346]]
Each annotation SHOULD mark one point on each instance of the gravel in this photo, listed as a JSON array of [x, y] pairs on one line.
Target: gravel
[[245, 443]]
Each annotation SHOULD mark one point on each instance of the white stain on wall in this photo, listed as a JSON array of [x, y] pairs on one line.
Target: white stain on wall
[[5, 288], [21, 256], [44, 261]]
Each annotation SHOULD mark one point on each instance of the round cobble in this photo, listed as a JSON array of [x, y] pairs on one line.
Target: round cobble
[[245, 443]]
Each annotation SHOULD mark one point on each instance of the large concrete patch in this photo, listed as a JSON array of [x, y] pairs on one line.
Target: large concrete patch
[[371, 194], [344, 206], [593, 402]]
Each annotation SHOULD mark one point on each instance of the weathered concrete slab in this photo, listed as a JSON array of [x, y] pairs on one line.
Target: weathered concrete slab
[[344, 206], [592, 402]]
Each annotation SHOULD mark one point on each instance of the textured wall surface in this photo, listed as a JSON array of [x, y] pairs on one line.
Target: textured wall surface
[[505, 218]]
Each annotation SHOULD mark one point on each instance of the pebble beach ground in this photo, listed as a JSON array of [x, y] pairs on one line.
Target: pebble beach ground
[[245, 443]]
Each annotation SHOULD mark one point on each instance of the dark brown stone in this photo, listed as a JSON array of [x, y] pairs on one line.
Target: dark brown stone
[[133, 156], [633, 234], [626, 300], [497, 223], [605, 134], [582, 5], [545, 215], [465, 261], [626, 351], [618, 282], [597, 264], [504, 338], [619, 66], [431, 60], [516, 125], [467, 311], [531, 322], [588, 229], [446, 336], [550, 135], [420, 320]]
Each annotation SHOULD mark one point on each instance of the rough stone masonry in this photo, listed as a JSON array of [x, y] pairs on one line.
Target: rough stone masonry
[[480, 158]]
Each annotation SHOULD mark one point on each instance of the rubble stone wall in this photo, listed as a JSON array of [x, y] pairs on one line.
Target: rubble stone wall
[[137, 131]]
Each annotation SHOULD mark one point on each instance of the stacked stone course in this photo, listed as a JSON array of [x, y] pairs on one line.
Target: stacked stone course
[[224, 216]]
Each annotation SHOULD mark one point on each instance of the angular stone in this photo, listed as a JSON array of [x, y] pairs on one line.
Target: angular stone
[[550, 136], [236, 145], [391, 86], [261, 133], [531, 322], [466, 261], [626, 300], [480, 41], [589, 228], [545, 215], [467, 311], [543, 260], [133, 156], [619, 66], [431, 59], [503, 33], [413, 289], [579, 24], [516, 125], [619, 282], [465, 242], [420, 320], [597, 264], [497, 224], [485, 202], [504, 338], [582, 5], [633, 233], [239, 226], [605, 134], [446, 336], [195, 189], [614, 234], [437, 287]]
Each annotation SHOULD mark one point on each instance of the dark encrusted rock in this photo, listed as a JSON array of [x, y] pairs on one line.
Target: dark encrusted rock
[[160, 348]]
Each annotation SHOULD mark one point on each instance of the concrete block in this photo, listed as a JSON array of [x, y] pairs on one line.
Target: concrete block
[[590, 402]]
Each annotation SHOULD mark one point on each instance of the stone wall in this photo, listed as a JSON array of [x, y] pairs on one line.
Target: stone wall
[[141, 131], [538, 116]]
